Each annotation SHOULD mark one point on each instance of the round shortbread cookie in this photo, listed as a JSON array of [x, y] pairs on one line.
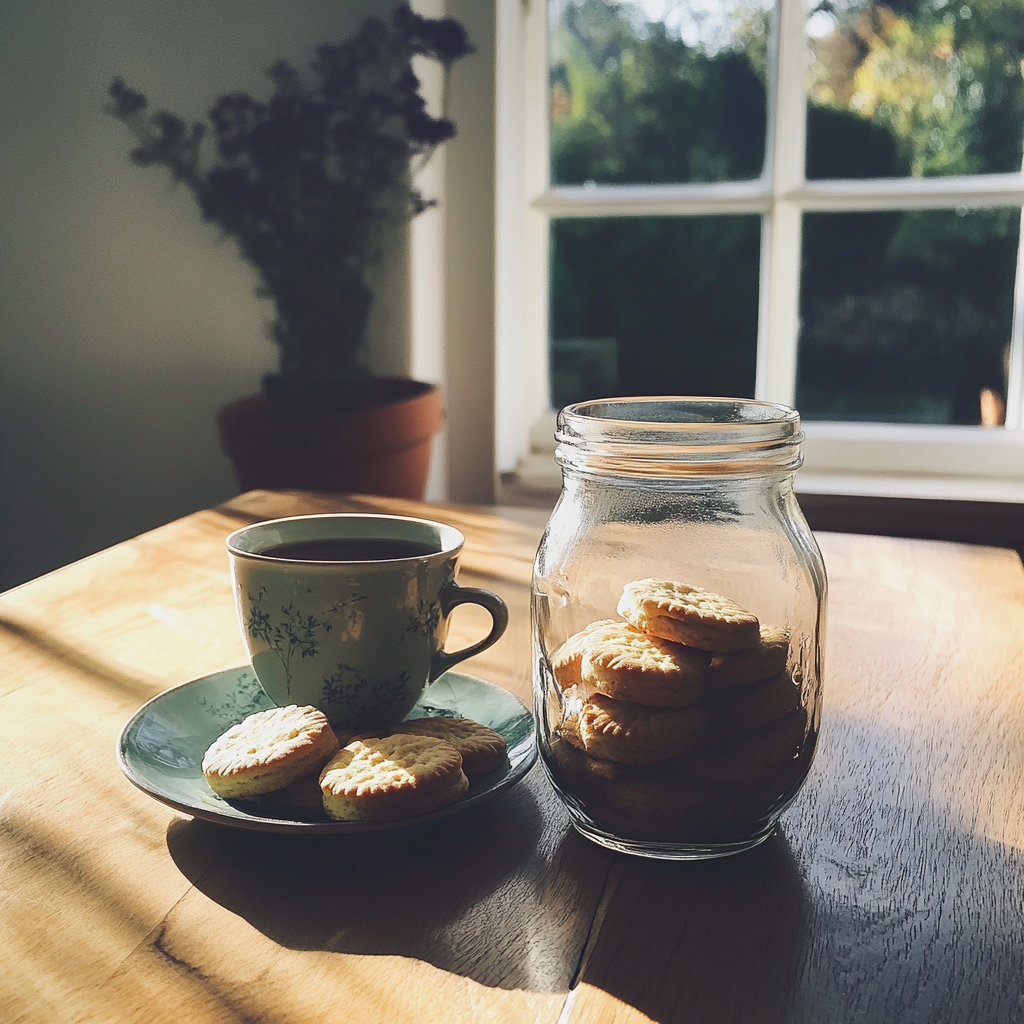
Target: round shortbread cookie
[[392, 777], [585, 776], [658, 797], [742, 710], [681, 825], [661, 828], [749, 760], [688, 615], [775, 787], [569, 727], [621, 662], [567, 659], [634, 734], [681, 800], [561, 704], [741, 668], [482, 748], [269, 750]]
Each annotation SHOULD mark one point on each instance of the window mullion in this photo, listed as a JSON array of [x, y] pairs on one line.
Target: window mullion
[[865, 194], [521, 335], [779, 313], [787, 137], [779, 321], [655, 200], [1015, 367]]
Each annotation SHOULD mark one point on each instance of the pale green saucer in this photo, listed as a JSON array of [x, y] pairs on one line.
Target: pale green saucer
[[160, 750]]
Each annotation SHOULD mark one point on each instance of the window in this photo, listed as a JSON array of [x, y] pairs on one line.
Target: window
[[820, 208]]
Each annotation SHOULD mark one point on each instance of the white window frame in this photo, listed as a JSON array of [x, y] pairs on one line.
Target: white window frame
[[963, 461]]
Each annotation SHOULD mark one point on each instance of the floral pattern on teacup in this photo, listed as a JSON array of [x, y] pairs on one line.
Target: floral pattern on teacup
[[296, 633], [424, 621], [426, 613], [349, 696], [244, 699]]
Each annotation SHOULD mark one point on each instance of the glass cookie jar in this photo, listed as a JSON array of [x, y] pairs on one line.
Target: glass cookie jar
[[678, 624]]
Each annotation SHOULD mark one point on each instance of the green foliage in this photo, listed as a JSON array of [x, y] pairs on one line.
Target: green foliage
[[943, 78], [310, 183], [904, 315], [679, 294], [631, 108]]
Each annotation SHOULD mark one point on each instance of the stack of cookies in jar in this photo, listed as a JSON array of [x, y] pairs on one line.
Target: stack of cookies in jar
[[683, 722]]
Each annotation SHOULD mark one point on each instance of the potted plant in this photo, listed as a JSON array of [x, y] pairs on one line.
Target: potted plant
[[309, 185]]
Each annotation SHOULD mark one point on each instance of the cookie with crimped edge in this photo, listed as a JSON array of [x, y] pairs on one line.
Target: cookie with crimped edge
[[268, 751], [634, 734], [392, 777], [750, 759], [688, 615], [747, 708], [482, 748], [741, 668], [567, 660], [587, 776], [569, 724], [657, 797], [621, 662]]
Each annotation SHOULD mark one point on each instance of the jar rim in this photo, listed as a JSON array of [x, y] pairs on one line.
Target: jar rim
[[677, 435], [687, 412]]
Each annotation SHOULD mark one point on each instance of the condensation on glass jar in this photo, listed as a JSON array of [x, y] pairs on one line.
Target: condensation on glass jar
[[655, 748]]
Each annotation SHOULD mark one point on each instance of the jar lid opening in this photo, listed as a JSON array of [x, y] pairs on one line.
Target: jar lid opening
[[682, 411], [670, 435]]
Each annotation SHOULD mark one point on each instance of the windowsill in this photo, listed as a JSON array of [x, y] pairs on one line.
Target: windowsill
[[539, 472], [971, 510], [953, 463], [934, 488]]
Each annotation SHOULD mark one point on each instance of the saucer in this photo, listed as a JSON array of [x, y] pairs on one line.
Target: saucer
[[161, 748]]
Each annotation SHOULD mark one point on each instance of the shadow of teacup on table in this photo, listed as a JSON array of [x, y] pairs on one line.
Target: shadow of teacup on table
[[513, 867]]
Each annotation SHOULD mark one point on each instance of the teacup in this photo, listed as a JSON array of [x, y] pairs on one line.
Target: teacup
[[350, 613]]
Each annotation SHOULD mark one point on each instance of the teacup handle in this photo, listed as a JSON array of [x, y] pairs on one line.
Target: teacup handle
[[452, 597]]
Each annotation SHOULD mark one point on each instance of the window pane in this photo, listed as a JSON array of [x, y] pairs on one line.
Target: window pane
[[906, 317], [657, 90], [914, 87], [653, 306]]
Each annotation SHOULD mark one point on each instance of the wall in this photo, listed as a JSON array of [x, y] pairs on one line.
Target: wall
[[470, 261], [124, 320]]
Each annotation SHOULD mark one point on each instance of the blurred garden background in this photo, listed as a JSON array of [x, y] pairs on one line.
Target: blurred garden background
[[905, 314]]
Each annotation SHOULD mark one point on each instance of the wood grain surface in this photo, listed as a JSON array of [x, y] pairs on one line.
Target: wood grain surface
[[894, 891]]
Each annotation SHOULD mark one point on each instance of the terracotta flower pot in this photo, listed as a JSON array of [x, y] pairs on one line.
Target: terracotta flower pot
[[383, 448]]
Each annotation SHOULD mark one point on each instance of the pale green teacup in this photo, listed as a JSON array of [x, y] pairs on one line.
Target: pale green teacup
[[350, 613]]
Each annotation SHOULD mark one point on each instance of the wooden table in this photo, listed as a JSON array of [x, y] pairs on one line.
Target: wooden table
[[893, 893]]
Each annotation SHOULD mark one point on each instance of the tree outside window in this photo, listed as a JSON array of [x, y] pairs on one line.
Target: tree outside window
[[905, 315]]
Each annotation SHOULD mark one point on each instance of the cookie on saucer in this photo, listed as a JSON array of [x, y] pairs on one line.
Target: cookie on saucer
[[482, 748], [268, 751], [392, 777]]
